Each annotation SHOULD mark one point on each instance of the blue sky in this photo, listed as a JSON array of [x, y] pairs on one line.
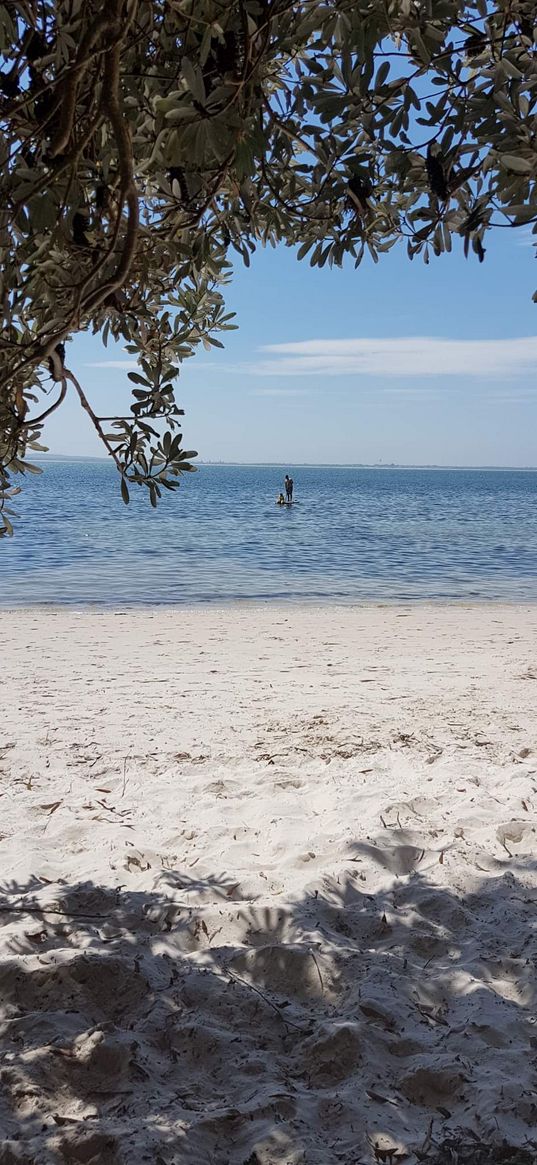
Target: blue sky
[[397, 362]]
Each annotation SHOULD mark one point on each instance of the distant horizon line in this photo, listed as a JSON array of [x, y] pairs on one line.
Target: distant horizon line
[[311, 464]]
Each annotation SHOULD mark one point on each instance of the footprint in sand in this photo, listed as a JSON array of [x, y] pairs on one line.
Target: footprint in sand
[[433, 1083], [517, 833], [12, 1153], [332, 1054], [80, 1150], [289, 970], [397, 859], [101, 988]]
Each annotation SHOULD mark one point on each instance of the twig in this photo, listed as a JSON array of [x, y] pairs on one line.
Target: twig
[[49, 910], [38, 420], [288, 1022], [318, 971], [94, 418]]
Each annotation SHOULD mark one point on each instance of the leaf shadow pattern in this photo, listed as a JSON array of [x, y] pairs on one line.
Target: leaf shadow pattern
[[179, 1024]]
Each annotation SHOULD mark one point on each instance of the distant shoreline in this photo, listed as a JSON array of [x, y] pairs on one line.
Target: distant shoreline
[[49, 457]]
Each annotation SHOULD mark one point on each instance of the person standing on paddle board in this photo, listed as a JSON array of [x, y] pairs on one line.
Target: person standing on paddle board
[[288, 483]]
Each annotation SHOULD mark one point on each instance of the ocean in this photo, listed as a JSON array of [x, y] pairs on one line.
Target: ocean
[[354, 534]]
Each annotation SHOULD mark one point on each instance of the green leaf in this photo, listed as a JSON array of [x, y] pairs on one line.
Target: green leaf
[[516, 164], [193, 77], [137, 379]]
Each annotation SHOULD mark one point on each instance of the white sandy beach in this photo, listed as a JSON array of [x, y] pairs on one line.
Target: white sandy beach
[[269, 883]]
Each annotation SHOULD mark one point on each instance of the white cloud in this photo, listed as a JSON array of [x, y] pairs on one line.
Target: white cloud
[[390, 358], [399, 356], [128, 364], [512, 398], [417, 392], [280, 392]]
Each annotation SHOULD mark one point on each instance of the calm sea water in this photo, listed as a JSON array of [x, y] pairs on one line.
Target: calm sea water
[[355, 534]]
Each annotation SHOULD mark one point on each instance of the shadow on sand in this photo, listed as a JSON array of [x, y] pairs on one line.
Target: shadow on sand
[[183, 1024]]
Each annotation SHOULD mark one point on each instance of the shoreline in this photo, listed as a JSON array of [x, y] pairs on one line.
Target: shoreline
[[96, 607], [268, 881], [49, 457]]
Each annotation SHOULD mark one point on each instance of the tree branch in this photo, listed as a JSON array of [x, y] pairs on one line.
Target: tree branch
[[111, 103], [92, 415], [71, 83], [30, 424]]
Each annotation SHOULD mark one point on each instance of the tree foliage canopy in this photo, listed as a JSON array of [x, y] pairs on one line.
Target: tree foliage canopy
[[143, 142]]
